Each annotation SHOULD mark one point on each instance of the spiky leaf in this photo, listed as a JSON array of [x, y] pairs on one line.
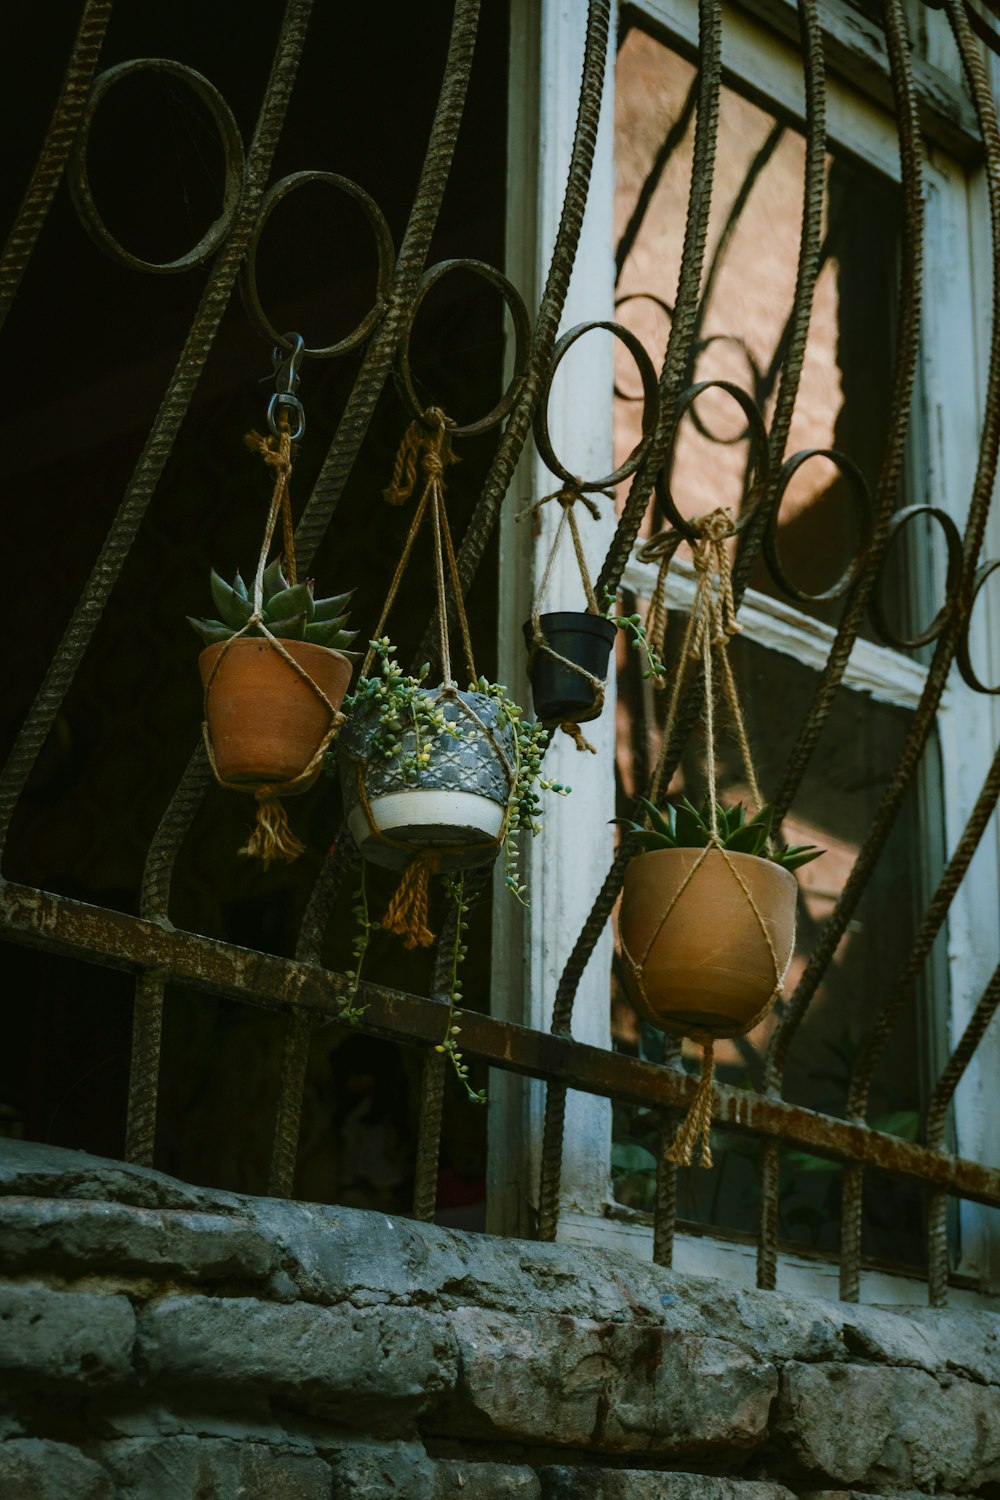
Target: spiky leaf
[[658, 823], [798, 854], [239, 586], [748, 840], [233, 611], [211, 631], [329, 633], [290, 629], [689, 832], [297, 600], [274, 579], [333, 608]]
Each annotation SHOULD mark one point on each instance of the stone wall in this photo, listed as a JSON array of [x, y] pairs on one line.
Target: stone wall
[[164, 1342]]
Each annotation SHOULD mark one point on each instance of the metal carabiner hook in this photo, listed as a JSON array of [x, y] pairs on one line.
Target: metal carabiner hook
[[286, 364]]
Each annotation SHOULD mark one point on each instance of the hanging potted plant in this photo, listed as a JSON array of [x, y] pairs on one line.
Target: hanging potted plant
[[436, 779], [265, 720], [707, 921], [275, 667], [707, 916]]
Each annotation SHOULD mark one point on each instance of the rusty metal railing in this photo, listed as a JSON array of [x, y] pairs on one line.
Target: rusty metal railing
[[302, 990]]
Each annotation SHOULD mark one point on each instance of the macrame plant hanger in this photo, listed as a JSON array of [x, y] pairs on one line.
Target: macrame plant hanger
[[710, 625], [272, 838], [426, 450], [568, 496]]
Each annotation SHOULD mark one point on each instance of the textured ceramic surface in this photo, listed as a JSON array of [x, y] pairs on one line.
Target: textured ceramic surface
[[705, 962], [266, 723], [470, 775]]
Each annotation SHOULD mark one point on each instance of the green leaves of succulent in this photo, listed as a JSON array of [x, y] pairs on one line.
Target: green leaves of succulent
[[290, 611], [688, 827]]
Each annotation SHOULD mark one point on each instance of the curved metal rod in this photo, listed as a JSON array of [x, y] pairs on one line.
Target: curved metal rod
[[384, 250], [963, 659], [862, 504], [45, 178], [952, 601], [232, 151], [522, 338], [937, 1111], [173, 408], [904, 377], [925, 715], [650, 406], [371, 378], [930, 925], [758, 468]]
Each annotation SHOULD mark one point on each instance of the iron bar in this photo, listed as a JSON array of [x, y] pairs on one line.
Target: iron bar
[[116, 940]]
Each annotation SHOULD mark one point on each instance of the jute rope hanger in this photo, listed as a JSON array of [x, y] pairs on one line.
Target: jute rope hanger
[[426, 448], [272, 838], [711, 623], [568, 496]]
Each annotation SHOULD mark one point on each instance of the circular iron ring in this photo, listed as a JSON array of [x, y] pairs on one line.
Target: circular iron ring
[[650, 406], [522, 338], [383, 245], [760, 459], [232, 148], [962, 657], [741, 344], [954, 544], [861, 495], [640, 297]]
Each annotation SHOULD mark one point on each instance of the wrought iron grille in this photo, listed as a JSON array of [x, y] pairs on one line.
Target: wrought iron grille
[[154, 945]]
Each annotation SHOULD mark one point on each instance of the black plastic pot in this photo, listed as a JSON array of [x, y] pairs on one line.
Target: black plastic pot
[[559, 693]]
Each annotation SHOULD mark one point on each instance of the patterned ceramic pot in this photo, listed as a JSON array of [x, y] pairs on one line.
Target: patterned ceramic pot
[[455, 803]]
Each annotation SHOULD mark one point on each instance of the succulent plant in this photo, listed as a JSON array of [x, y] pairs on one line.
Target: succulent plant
[[690, 827], [290, 611]]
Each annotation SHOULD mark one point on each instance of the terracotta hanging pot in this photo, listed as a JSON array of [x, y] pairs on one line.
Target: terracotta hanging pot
[[559, 693], [265, 721], [455, 802], [699, 960]]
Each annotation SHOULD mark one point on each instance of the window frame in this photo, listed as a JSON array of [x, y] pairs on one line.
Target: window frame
[[567, 867]]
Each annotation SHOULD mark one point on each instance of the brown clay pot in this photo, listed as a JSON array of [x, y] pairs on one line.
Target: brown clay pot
[[708, 964], [266, 723]]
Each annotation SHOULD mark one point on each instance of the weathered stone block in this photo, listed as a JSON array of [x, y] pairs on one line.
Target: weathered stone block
[[369, 1359], [883, 1428], [367, 1470], [195, 1468], [614, 1386], [33, 1469], [935, 1339], [561, 1483], [31, 1169], [484, 1482], [117, 1239], [50, 1336]]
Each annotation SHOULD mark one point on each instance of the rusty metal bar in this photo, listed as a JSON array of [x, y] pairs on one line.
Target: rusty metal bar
[[54, 153], [116, 940], [429, 1135]]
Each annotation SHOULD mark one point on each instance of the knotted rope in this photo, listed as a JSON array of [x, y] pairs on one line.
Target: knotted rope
[[272, 838], [426, 449], [711, 623], [568, 496]]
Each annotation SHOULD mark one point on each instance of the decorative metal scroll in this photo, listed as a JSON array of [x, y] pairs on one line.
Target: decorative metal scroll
[[300, 989]]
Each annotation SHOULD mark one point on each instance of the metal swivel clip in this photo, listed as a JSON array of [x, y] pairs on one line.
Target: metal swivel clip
[[286, 364]]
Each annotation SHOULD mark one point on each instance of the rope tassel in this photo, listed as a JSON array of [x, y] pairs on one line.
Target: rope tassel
[[696, 1126], [272, 838], [406, 915]]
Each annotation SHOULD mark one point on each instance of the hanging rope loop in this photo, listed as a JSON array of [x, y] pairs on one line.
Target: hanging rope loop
[[711, 624], [426, 445]]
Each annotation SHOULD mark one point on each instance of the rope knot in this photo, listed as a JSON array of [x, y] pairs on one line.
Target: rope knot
[[426, 445]]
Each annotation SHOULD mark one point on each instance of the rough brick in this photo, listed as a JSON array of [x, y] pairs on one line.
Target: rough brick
[[872, 1426], [37, 1233], [33, 1469], [560, 1483], [615, 1387], [64, 1336], [195, 1468], [317, 1357]]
